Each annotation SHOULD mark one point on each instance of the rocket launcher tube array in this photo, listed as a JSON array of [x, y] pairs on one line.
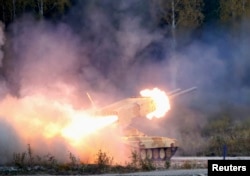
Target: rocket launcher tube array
[[129, 108], [178, 92]]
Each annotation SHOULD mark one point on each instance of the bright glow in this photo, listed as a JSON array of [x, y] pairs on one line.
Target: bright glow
[[161, 101], [38, 118], [83, 124]]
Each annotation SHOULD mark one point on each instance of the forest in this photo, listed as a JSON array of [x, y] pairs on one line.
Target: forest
[[116, 47], [172, 14]]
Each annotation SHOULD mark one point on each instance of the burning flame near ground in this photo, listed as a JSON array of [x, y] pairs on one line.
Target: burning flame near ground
[[161, 101], [42, 122], [83, 124]]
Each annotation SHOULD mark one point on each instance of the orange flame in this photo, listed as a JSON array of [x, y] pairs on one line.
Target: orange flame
[[161, 102], [40, 120], [83, 124]]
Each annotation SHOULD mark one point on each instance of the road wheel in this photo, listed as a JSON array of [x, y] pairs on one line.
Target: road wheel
[[143, 154], [168, 153], [149, 153], [155, 153], [162, 153]]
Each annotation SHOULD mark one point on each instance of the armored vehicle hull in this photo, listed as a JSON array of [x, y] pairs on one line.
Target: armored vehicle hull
[[154, 148]]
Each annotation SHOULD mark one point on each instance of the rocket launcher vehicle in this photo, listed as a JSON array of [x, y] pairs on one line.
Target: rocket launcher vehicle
[[155, 148]]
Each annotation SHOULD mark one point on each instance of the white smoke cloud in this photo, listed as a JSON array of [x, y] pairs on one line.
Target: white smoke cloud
[[133, 38], [2, 41], [46, 56], [3, 89]]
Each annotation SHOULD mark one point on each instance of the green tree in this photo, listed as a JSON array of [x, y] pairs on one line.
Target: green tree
[[12, 9], [222, 130], [6, 14], [48, 8], [234, 10], [178, 16], [218, 132], [179, 13]]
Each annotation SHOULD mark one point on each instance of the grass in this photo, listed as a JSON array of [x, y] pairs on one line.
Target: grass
[[29, 163], [140, 164]]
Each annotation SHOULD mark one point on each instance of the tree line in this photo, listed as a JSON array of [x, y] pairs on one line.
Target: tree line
[[172, 13], [10, 10], [223, 130]]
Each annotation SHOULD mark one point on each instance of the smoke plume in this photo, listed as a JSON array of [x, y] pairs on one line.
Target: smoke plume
[[2, 40], [112, 50]]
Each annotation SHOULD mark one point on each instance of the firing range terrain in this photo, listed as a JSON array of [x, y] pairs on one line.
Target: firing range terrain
[[52, 53]]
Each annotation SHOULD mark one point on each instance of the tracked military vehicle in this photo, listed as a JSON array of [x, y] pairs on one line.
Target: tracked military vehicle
[[155, 148], [151, 147]]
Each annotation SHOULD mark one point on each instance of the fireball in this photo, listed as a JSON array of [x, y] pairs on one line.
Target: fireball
[[160, 100], [83, 124]]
